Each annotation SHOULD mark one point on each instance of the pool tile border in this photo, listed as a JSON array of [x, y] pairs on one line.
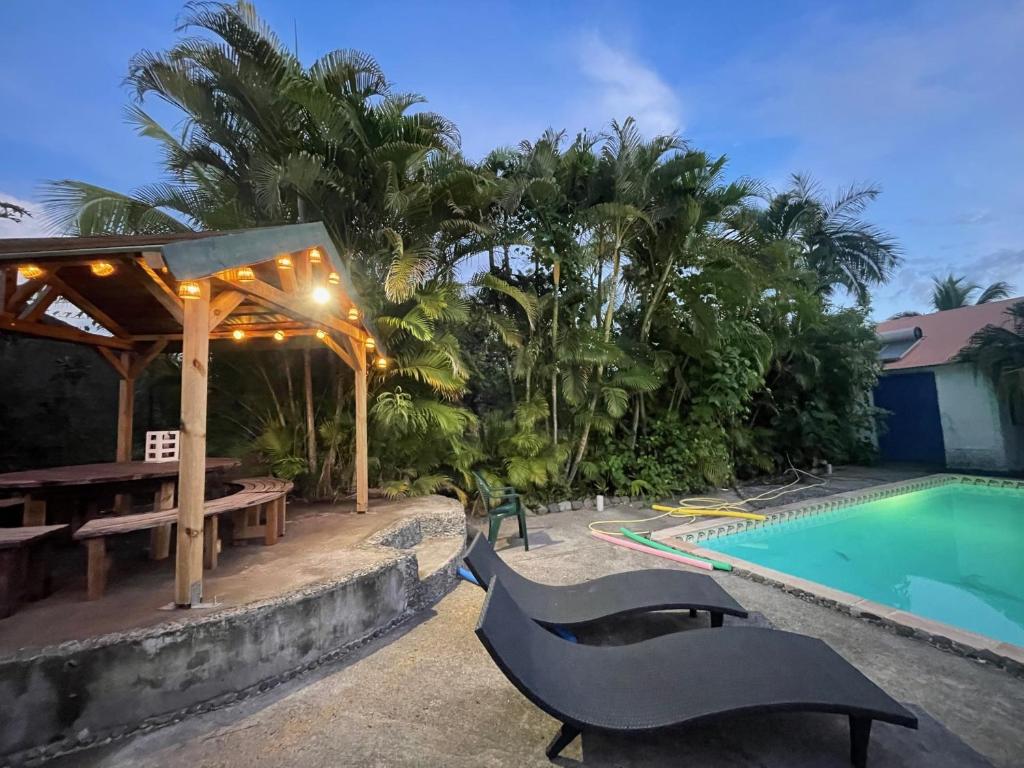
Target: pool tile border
[[945, 636]]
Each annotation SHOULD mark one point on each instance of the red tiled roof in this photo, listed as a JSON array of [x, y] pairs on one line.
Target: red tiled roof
[[944, 334]]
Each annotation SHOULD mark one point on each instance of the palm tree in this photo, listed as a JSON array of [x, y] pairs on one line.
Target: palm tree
[[955, 292], [999, 351], [828, 235]]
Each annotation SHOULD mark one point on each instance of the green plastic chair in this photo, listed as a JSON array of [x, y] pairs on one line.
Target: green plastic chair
[[500, 504]]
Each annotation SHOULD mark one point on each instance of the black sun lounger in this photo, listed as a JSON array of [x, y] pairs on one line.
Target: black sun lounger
[[686, 677], [656, 589]]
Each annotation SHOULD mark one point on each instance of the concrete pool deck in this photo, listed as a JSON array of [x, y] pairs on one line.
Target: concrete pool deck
[[429, 695]]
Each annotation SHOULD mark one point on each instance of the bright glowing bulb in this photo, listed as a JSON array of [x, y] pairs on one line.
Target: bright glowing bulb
[[30, 271], [315, 257], [238, 334], [245, 274], [278, 335], [333, 278], [188, 289], [371, 344], [353, 314], [284, 262], [382, 363], [321, 334], [102, 268], [321, 295]]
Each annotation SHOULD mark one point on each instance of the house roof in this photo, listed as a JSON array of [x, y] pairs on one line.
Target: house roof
[[943, 334]]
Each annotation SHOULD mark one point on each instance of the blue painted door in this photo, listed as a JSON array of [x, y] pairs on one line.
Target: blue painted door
[[914, 428]]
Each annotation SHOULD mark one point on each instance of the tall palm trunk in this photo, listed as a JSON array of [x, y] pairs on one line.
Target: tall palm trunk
[[307, 380], [592, 407], [556, 274]]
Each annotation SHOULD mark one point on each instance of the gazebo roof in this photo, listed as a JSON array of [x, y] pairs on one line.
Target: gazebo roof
[[138, 303]]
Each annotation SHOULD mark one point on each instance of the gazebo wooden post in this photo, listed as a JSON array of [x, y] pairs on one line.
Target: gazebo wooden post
[[362, 465], [195, 359], [125, 417]]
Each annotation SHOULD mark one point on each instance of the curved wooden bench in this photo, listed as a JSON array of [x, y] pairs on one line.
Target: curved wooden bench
[[24, 571], [266, 495]]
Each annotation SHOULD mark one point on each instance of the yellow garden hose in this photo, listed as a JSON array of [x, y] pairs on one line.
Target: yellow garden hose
[[696, 506]]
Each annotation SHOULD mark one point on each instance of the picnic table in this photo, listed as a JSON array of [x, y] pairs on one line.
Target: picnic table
[[37, 485]]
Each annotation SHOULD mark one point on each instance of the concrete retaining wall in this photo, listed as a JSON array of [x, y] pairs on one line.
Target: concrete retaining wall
[[60, 698]]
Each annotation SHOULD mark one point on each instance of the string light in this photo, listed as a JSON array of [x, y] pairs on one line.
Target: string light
[[321, 334], [382, 363], [238, 334], [333, 278], [30, 271], [284, 262], [102, 268], [371, 344], [278, 335], [189, 289], [245, 274], [320, 295], [315, 257], [353, 314]]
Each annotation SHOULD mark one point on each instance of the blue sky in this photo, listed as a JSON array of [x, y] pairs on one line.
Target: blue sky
[[923, 99]]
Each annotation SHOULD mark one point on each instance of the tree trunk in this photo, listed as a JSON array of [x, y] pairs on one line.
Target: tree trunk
[[307, 380], [556, 274]]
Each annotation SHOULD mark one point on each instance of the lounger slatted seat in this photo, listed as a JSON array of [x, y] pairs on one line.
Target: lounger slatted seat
[[266, 494], [656, 589], [24, 566], [680, 678]]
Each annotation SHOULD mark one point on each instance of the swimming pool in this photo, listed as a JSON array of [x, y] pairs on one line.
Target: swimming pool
[[952, 553]]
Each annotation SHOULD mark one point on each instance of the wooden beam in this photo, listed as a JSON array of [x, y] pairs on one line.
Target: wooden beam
[[337, 349], [116, 362], [287, 277], [8, 284], [62, 333], [362, 458], [160, 537], [195, 362], [160, 291], [224, 305], [84, 304], [291, 306], [125, 407], [22, 294], [35, 309], [143, 360]]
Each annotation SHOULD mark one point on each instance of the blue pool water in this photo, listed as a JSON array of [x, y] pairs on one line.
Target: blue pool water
[[954, 554]]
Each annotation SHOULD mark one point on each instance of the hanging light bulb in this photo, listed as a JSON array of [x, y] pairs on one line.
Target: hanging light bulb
[[315, 257], [371, 344], [278, 335], [353, 314], [188, 289], [102, 268], [333, 278], [320, 295], [30, 271], [238, 334], [321, 334], [245, 274], [228, 275], [284, 262], [382, 363]]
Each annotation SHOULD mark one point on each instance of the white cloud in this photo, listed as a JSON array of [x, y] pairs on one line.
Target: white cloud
[[29, 226], [621, 86]]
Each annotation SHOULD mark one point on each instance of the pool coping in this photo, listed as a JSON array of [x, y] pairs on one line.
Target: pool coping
[[939, 634]]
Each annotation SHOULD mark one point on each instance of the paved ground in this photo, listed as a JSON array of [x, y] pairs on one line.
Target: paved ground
[[428, 695]]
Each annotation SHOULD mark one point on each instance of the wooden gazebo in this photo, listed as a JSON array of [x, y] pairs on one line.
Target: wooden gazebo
[[150, 294]]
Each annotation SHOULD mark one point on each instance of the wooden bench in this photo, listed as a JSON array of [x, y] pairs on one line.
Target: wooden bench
[[24, 564], [256, 496]]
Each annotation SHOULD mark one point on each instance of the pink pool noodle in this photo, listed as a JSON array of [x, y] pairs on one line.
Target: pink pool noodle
[[623, 542]]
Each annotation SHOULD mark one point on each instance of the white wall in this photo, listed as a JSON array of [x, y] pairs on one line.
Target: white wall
[[976, 427]]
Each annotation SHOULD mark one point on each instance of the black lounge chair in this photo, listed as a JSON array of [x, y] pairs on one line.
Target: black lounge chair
[[686, 677], [656, 589]]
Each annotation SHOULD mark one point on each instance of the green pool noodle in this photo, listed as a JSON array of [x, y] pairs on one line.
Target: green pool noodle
[[719, 565]]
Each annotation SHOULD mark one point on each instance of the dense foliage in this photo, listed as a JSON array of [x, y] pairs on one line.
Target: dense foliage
[[646, 322]]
